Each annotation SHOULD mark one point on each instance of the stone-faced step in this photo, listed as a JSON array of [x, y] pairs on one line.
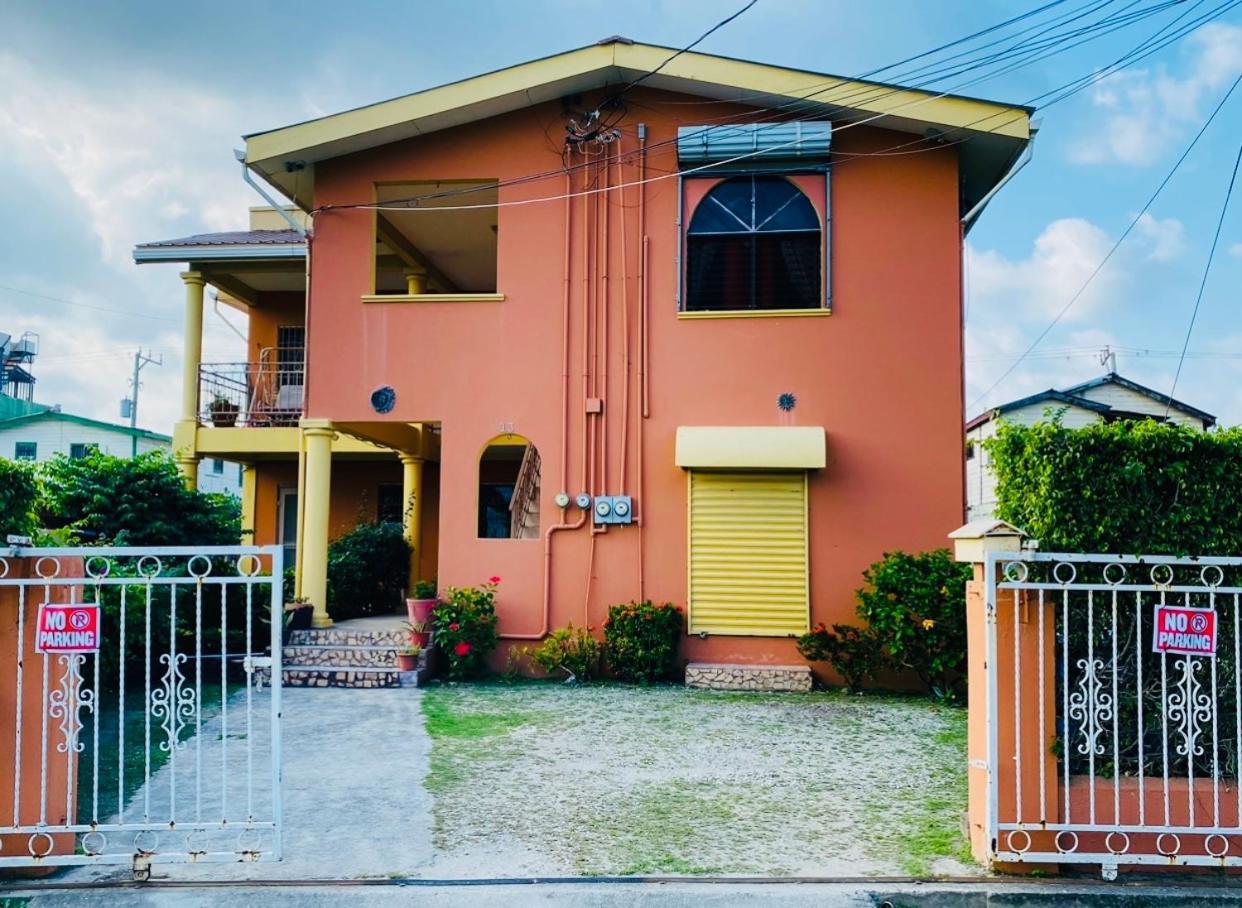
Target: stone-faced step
[[728, 676], [323, 676], [341, 656], [339, 636]]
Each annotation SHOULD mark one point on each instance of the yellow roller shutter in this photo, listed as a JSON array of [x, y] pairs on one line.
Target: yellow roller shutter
[[748, 553]]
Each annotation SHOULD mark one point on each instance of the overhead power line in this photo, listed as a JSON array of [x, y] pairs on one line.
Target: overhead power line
[[57, 299], [1207, 268], [1121, 239]]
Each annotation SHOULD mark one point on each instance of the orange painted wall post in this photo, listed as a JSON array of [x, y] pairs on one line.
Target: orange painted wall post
[[61, 768], [1024, 755]]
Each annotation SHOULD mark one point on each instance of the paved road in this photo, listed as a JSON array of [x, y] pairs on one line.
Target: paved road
[[656, 895]]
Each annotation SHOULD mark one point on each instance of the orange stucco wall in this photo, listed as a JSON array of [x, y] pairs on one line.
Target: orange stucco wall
[[272, 311], [882, 374]]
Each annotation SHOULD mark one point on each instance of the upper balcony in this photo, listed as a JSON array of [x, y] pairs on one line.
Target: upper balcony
[[253, 395]]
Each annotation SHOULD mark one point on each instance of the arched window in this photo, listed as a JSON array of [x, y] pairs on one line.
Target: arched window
[[509, 489], [754, 242]]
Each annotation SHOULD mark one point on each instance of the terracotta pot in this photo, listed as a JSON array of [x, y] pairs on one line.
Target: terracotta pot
[[421, 638], [420, 610], [406, 663], [300, 619]]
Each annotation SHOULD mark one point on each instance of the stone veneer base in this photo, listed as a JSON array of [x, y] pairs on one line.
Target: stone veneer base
[[774, 678]]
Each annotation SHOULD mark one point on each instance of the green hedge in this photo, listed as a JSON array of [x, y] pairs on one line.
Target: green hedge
[[19, 498], [368, 569], [1131, 488]]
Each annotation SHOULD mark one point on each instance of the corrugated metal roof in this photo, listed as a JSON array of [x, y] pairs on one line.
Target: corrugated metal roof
[[232, 238]]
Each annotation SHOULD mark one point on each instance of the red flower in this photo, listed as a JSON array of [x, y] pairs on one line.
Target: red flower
[[493, 580], [462, 648], [454, 626]]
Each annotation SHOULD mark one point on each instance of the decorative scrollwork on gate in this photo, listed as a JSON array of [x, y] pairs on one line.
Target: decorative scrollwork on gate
[[1189, 706], [173, 702], [1091, 705], [67, 702]]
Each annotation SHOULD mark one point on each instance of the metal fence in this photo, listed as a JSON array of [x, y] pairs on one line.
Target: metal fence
[[262, 394], [1115, 709], [161, 745]]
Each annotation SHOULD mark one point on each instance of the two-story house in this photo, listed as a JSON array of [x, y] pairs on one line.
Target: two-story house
[[612, 325]]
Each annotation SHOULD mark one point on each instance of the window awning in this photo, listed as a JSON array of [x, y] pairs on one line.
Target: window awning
[[802, 140], [751, 447]]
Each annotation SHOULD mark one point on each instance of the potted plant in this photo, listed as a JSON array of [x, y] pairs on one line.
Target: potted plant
[[407, 657], [423, 603], [224, 412], [298, 612], [420, 632]]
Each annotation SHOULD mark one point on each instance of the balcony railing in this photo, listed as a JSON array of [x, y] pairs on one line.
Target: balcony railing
[[251, 394]]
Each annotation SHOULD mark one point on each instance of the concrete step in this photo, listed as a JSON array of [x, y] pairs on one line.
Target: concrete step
[[341, 656], [341, 636], [329, 676], [755, 677]]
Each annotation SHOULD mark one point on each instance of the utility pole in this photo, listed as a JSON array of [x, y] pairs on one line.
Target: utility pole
[[1108, 358], [140, 359]]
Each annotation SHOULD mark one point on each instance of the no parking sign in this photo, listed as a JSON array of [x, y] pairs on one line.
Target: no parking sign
[[67, 627], [1189, 631]]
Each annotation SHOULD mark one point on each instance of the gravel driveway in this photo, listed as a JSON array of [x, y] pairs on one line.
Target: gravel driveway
[[542, 778]]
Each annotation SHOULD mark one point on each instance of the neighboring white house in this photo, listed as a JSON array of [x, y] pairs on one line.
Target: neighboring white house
[[43, 432], [1102, 399]]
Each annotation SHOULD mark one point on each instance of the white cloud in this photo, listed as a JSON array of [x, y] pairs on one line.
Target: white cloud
[[1143, 112], [1039, 286], [1166, 238], [136, 152], [1236, 250]]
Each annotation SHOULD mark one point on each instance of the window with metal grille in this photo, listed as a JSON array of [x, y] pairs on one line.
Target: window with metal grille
[[26, 450], [754, 242], [291, 354], [79, 450]]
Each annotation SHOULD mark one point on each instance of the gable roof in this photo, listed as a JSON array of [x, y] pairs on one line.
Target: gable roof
[[233, 244], [1051, 395], [998, 132], [17, 421], [1112, 378], [1073, 397]]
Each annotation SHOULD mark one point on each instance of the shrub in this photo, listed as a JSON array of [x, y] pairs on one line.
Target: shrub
[[465, 628], [640, 641], [915, 605], [424, 589], [856, 653], [139, 501], [571, 650], [368, 569], [19, 496], [1125, 487]]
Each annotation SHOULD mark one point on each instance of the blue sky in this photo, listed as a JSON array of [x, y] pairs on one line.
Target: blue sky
[[118, 120]]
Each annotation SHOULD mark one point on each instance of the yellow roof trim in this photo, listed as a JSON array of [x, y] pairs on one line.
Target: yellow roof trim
[[506, 89], [751, 447]]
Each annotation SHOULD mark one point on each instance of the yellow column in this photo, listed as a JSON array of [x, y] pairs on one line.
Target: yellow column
[[412, 511], [188, 464], [249, 484], [316, 498], [192, 354], [415, 280]]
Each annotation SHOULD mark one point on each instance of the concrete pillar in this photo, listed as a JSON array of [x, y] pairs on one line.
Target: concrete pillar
[[316, 500], [412, 511], [249, 483], [1020, 660], [188, 465], [415, 280], [192, 348]]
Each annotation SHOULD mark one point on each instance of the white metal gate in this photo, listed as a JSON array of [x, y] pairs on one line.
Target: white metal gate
[[164, 745], [1102, 747]]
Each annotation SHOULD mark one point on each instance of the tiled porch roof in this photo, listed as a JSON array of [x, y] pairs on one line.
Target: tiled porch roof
[[231, 238]]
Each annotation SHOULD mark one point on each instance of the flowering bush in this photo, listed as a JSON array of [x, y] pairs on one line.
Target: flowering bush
[[854, 652], [465, 628], [640, 641], [573, 650], [916, 606]]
